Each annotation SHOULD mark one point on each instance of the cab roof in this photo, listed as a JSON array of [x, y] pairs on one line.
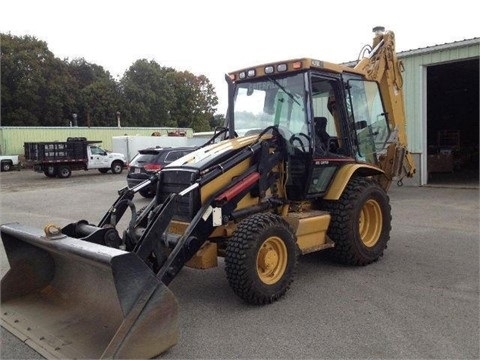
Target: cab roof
[[286, 66]]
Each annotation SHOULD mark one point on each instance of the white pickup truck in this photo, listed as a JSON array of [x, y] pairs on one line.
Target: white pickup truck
[[58, 159], [8, 162]]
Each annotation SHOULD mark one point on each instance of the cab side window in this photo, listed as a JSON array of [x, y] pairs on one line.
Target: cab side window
[[323, 99], [326, 127], [95, 150], [370, 119]]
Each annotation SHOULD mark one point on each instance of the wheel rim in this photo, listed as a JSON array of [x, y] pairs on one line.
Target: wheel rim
[[272, 260], [370, 223]]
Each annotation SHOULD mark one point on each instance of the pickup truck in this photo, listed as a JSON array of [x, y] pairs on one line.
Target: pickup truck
[[8, 162], [59, 159]]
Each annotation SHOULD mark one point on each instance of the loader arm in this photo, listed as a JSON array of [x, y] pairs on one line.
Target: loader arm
[[383, 66], [118, 208], [256, 179]]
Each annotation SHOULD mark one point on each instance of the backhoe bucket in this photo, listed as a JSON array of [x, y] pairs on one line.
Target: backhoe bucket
[[68, 298]]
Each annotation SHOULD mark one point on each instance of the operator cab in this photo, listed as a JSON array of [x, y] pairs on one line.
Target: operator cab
[[328, 119]]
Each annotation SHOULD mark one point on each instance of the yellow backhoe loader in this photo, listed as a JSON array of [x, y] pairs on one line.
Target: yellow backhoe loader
[[303, 164]]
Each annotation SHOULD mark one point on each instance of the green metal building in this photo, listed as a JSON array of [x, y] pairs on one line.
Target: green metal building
[[441, 87], [12, 138]]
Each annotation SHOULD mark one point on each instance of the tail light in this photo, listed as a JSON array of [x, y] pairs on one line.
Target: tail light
[[152, 167]]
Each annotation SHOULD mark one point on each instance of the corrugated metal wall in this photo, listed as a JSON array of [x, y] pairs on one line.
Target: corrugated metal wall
[[12, 138], [415, 91], [415, 78]]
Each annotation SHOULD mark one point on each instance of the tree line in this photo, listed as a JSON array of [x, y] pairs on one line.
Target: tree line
[[39, 89]]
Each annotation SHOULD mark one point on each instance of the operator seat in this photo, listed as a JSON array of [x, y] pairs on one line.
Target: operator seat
[[321, 136], [324, 143]]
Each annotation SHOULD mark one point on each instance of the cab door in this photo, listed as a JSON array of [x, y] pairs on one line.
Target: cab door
[[97, 158], [370, 120], [329, 131]]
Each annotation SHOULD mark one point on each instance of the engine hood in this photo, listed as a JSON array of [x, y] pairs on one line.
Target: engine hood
[[213, 154]]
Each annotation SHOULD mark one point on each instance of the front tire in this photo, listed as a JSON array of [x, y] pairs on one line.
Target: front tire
[[6, 166], [117, 167], [361, 223], [261, 258]]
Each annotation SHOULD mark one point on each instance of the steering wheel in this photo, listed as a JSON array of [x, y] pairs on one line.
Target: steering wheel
[[297, 137]]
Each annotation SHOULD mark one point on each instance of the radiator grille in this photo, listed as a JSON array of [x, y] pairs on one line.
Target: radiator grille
[[174, 181]]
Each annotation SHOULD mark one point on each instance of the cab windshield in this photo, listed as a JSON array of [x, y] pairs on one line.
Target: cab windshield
[[278, 101]]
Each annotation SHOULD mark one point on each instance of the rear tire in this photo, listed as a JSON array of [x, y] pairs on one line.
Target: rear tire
[[117, 167], [64, 172], [261, 258], [50, 172], [361, 223]]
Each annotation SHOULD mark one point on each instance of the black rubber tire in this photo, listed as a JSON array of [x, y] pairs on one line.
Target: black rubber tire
[[50, 172], [117, 167], [6, 166], [64, 172], [360, 224], [147, 193], [250, 247], [103, 171]]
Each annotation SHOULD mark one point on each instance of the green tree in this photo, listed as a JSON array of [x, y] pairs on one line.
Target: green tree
[[195, 100], [58, 95], [86, 73], [99, 104], [38, 89], [147, 94], [36, 86], [216, 121], [98, 96], [21, 79]]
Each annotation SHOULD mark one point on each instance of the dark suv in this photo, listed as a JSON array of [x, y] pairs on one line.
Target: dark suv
[[149, 161]]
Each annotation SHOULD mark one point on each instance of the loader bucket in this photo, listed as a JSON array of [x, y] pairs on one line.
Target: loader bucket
[[68, 298]]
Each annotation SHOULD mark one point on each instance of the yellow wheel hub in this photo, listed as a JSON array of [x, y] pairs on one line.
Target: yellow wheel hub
[[272, 260], [370, 223]]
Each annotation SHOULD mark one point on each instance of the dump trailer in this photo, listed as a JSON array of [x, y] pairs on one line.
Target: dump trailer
[[60, 158], [303, 164]]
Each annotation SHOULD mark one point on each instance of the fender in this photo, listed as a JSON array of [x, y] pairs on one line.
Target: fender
[[343, 175]]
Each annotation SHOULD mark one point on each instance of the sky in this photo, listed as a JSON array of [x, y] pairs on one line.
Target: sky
[[214, 37]]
